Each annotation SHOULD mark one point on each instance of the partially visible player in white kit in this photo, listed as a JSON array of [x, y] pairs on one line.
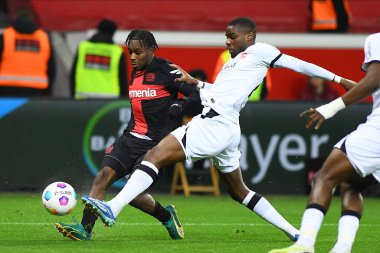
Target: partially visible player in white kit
[[354, 163], [216, 132]]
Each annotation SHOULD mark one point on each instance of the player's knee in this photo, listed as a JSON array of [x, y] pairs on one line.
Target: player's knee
[[322, 179], [152, 155], [155, 156]]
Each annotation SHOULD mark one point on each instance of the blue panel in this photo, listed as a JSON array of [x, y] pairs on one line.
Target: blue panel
[[8, 105]]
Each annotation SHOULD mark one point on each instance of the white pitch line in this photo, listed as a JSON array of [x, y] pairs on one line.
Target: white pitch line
[[185, 224]]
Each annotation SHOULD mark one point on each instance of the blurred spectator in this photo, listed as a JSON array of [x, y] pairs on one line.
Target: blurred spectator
[[4, 17], [330, 15], [317, 89], [261, 91], [27, 58], [99, 69]]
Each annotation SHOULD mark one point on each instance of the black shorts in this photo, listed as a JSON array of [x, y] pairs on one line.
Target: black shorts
[[126, 152]]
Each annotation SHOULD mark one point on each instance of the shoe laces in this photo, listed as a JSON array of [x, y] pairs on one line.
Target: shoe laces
[[80, 225]]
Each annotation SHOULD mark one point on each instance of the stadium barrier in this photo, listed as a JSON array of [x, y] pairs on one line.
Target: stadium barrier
[[51, 140]]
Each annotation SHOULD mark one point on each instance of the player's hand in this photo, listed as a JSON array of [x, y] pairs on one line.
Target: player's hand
[[315, 119], [185, 76]]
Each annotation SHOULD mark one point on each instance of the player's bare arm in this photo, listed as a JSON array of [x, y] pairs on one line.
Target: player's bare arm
[[347, 84], [368, 85]]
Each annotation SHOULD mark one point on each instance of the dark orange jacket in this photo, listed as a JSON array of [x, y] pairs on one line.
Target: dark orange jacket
[[324, 15], [25, 59]]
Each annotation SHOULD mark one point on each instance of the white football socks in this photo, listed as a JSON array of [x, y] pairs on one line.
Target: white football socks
[[265, 210], [311, 222], [136, 184], [348, 226]]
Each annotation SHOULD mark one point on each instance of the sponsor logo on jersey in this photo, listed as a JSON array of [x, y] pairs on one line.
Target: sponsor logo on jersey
[[243, 56], [150, 77], [109, 149], [229, 66], [147, 93]]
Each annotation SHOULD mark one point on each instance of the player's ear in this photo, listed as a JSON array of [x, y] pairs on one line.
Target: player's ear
[[250, 36]]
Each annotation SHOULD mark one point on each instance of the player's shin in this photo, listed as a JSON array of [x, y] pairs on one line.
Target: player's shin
[[311, 223], [88, 220], [143, 177], [264, 209], [348, 226]]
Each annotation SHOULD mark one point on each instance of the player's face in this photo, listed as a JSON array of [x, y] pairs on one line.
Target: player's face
[[139, 55], [237, 40]]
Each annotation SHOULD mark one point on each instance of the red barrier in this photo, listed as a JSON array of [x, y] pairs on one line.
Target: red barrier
[[190, 15]]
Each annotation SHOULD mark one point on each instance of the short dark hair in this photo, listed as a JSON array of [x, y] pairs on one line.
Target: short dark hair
[[107, 26], [244, 22], [145, 37]]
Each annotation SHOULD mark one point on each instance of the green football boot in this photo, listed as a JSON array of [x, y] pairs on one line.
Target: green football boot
[[73, 231], [173, 225]]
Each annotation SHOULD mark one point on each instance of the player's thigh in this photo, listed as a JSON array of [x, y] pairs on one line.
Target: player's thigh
[[167, 152], [123, 154], [207, 137], [336, 169]]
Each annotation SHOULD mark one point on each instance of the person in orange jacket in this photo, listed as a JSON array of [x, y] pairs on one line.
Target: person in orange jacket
[[27, 66], [330, 15]]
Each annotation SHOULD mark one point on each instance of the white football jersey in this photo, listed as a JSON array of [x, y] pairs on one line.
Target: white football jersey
[[372, 54], [244, 73], [238, 78]]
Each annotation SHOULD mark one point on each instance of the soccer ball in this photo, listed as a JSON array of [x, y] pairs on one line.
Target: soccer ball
[[59, 198]]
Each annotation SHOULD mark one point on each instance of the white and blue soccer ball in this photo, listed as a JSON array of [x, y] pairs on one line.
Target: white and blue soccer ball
[[59, 198]]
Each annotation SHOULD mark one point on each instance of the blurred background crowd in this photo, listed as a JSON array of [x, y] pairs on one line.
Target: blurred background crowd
[[70, 49]]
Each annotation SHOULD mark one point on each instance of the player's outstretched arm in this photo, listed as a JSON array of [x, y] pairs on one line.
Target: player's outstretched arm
[[347, 84], [369, 84], [310, 69]]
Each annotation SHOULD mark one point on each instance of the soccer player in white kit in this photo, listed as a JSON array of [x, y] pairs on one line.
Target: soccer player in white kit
[[353, 164], [216, 132]]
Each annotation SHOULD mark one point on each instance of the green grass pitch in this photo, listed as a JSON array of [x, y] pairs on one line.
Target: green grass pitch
[[212, 224]]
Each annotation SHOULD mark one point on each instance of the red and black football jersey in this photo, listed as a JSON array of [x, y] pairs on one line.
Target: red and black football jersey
[[152, 91]]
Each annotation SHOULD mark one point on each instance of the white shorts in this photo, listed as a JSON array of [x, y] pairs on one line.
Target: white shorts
[[362, 148], [214, 137]]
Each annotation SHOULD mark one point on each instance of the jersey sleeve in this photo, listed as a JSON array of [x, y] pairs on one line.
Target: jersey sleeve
[[267, 54], [371, 50]]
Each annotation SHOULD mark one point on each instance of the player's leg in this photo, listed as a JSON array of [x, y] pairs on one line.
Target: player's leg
[[166, 215], [238, 191], [168, 151], [145, 202], [83, 231], [103, 180], [352, 209], [336, 169]]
